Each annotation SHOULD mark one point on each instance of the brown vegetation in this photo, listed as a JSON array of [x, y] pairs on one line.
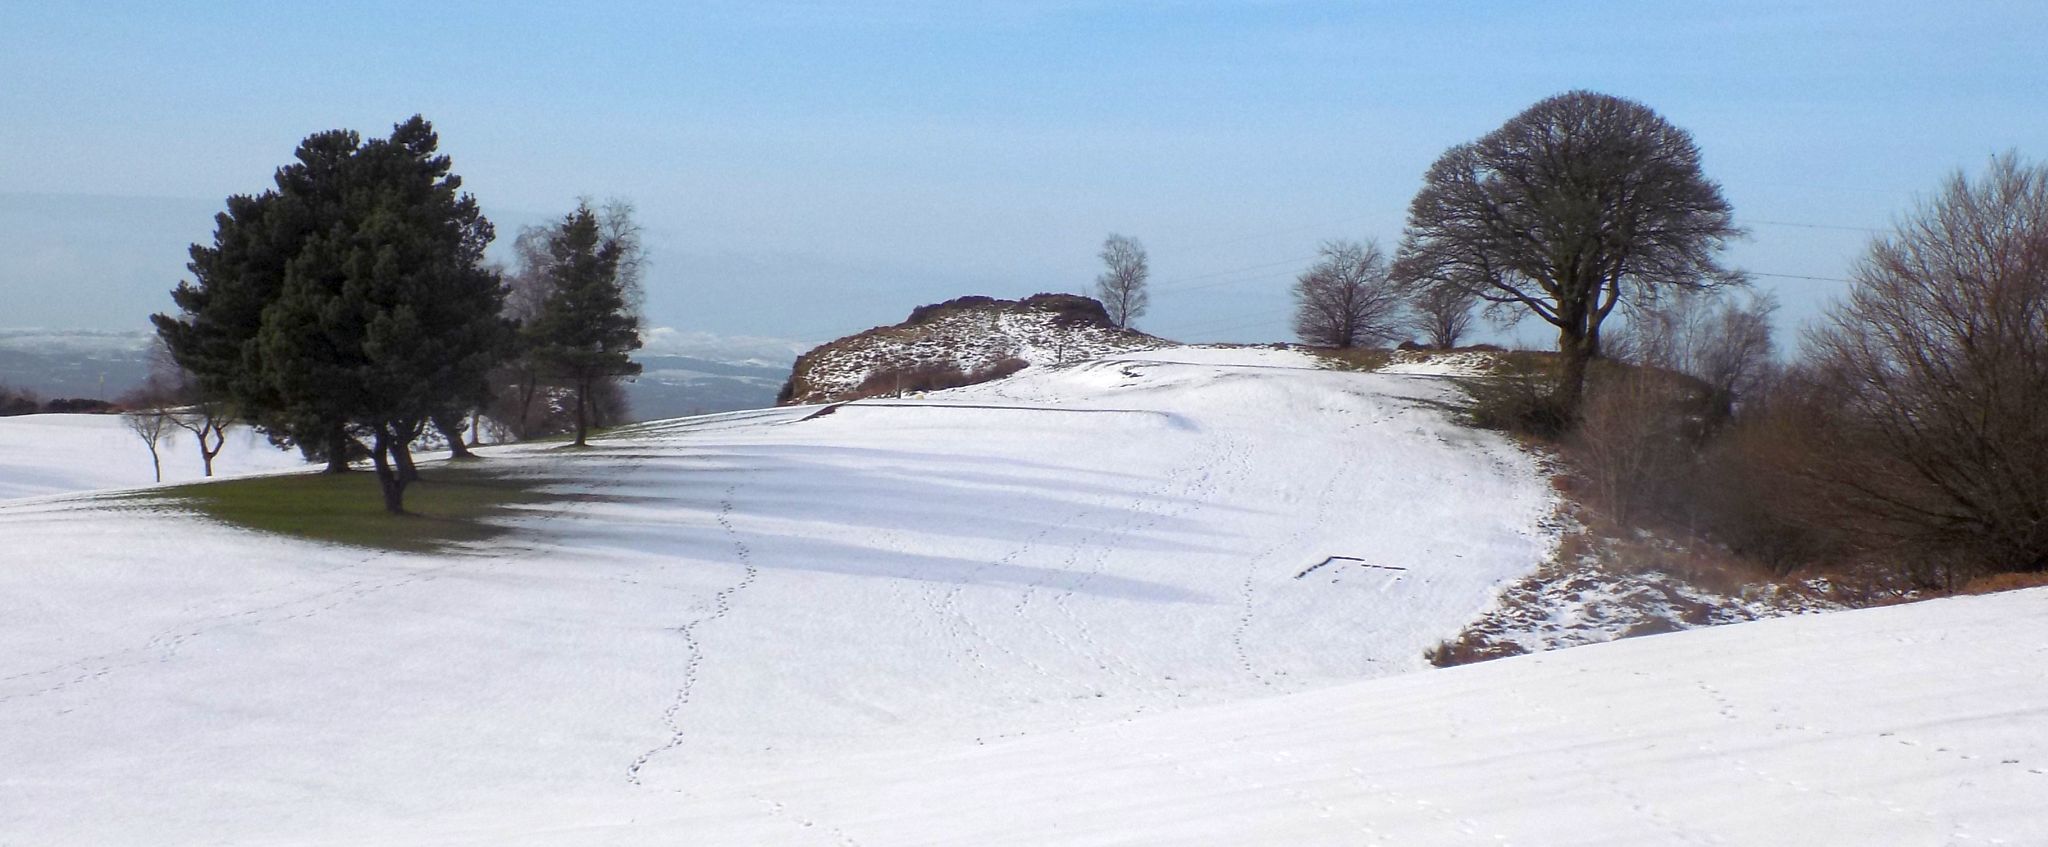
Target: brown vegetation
[[932, 376], [1926, 393], [962, 338]]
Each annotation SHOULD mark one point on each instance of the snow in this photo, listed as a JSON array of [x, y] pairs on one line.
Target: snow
[[1097, 603], [63, 454], [1911, 725]]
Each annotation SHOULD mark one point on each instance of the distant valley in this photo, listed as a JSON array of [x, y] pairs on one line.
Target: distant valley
[[683, 372]]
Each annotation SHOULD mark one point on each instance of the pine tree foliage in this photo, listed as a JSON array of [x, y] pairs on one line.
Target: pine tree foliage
[[587, 325], [352, 298]]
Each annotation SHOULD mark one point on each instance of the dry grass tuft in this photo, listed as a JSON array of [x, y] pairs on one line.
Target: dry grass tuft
[[2005, 582]]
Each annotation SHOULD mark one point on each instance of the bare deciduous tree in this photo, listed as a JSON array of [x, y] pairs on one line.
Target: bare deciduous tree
[[1724, 341], [1934, 378], [1121, 286], [518, 383], [148, 415], [1573, 206], [1441, 314], [1642, 430], [1345, 299], [188, 405]]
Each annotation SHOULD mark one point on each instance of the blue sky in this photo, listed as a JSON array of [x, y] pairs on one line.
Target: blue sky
[[807, 170]]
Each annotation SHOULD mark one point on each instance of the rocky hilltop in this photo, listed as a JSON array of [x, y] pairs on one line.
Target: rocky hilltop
[[959, 342]]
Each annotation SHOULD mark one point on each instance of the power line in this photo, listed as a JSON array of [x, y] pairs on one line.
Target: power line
[[1799, 277], [1278, 232]]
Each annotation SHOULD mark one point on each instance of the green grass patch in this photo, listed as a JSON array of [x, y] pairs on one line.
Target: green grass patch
[[450, 504]]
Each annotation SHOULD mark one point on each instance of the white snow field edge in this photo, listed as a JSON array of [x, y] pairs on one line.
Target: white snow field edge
[[1081, 605], [1924, 724], [66, 454]]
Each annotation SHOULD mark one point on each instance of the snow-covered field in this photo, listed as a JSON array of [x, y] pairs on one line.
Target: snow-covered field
[[1095, 604], [62, 454]]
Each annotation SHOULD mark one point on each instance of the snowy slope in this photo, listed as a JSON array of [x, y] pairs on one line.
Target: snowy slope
[[61, 454], [1912, 725], [741, 596], [1086, 605]]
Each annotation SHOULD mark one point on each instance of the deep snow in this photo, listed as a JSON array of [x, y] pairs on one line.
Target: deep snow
[[1077, 606]]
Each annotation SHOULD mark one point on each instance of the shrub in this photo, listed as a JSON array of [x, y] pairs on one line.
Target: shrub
[[2005, 582], [1933, 373], [1470, 648], [1519, 397], [1638, 436], [1366, 359], [933, 376], [78, 406]]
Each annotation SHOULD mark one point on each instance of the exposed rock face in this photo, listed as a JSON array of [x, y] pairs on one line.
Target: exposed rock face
[[960, 342]]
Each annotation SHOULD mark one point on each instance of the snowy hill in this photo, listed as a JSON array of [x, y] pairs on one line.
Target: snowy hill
[[1171, 597]]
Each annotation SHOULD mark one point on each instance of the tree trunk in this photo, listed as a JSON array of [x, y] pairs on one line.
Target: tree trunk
[[526, 391], [337, 449], [582, 410], [1578, 351], [388, 481], [209, 449], [401, 455], [450, 427], [155, 463]]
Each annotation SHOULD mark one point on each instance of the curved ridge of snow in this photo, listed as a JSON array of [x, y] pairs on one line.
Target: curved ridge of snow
[[723, 600]]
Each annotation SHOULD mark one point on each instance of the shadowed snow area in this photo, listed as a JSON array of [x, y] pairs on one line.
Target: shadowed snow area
[[1126, 601]]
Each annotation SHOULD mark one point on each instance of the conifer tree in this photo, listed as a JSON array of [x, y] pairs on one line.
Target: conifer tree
[[353, 297], [587, 326]]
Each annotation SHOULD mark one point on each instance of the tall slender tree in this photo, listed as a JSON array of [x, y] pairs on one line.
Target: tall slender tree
[[1121, 285], [588, 325]]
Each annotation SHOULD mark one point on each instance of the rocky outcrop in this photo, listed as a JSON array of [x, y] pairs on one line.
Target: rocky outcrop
[[959, 342]]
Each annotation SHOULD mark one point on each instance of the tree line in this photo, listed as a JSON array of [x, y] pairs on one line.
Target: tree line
[[349, 309], [1909, 431]]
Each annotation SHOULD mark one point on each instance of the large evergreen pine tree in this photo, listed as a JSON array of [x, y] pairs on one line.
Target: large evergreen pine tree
[[351, 298], [240, 275], [587, 327]]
